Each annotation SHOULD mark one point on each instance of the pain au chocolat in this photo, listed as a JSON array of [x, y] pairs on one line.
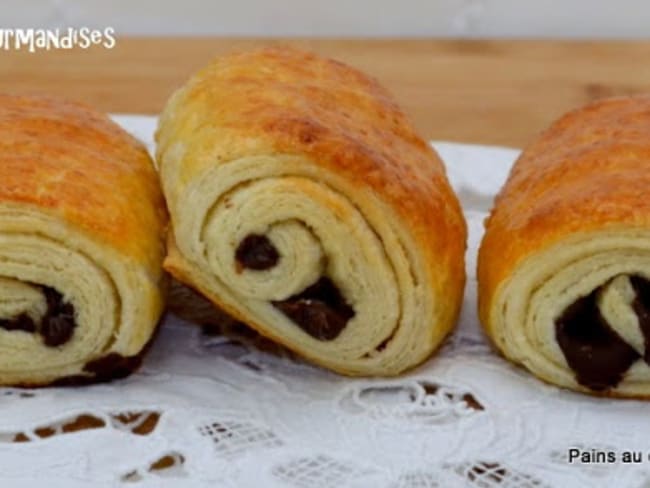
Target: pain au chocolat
[[564, 268], [81, 244], [304, 204]]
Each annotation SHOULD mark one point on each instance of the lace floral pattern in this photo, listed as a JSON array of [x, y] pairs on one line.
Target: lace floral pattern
[[210, 411]]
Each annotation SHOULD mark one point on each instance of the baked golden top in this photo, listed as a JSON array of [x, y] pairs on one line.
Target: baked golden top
[[287, 101], [590, 170], [67, 159]]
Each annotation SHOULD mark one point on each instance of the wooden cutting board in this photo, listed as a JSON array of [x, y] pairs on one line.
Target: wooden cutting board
[[493, 92]]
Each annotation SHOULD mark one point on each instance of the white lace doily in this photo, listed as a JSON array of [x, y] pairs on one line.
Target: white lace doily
[[207, 411]]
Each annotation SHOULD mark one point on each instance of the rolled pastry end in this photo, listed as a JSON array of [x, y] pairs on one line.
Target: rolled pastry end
[[68, 306], [81, 245], [578, 314], [326, 286], [305, 205], [564, 264]]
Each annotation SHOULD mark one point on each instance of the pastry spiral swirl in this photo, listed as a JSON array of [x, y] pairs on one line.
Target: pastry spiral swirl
[[564, 267], [81, 244], [303, 203]]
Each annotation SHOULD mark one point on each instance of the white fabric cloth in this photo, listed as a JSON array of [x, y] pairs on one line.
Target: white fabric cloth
[[221, 414]]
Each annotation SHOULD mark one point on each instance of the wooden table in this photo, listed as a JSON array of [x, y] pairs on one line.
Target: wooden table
[[495, 92]]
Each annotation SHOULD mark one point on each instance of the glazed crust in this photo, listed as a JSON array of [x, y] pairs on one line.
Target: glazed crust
[[349, 134], [72, 161], [81, 212], [580, 184], [333, 114]]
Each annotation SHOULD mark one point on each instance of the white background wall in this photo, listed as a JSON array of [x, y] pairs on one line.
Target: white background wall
[[447, 18]]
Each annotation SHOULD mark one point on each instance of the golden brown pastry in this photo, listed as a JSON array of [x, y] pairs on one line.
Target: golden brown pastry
[[564, 267], [305, 205], [81, 244]]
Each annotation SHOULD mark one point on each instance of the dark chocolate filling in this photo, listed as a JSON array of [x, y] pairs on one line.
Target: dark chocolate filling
[[598, 356], [56, 326], [641, 306], [257, 252], [110, 367], [23, 322], [113, 366], [320, 310]]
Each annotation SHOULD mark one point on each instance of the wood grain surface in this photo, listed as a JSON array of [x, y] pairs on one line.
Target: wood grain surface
[[494, 92]]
